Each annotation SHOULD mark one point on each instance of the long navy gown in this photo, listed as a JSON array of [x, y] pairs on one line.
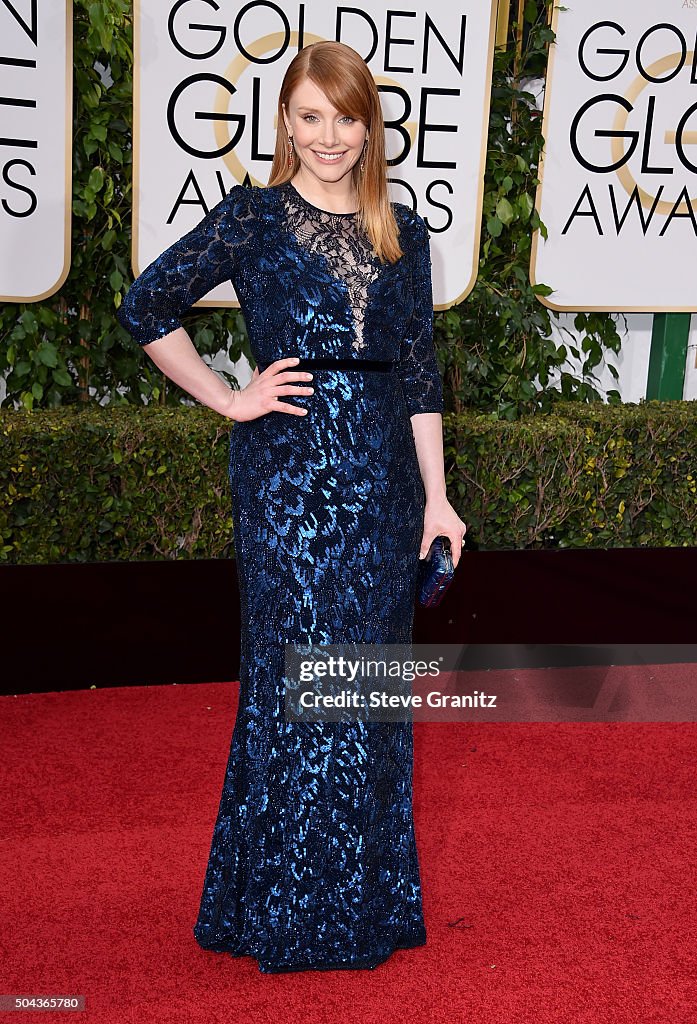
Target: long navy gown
[[313, 862]]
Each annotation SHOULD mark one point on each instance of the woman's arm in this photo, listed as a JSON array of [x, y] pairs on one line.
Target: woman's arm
[[154, 304], [418, 370], [427, 428], [423, 389], [439, 515], [204, 257], [178, 359], [176, 356]]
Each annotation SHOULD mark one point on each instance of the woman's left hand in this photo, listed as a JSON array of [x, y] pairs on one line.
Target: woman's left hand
[[441, 518]]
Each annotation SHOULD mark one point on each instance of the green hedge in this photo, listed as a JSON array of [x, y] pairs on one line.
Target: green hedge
[[131, 484], [582, 476]]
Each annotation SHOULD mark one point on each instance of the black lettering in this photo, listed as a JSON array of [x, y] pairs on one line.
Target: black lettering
[[31, 29], [603, 133], [220, 30], [578, 212], [439, 206], [181, 199], [20, 143], [179, 139], [17, 62], [676, 212], [624, 54], [429, 28], [679, 144], [256, 118], [18, 187], [647, 143], [634, 200], [341, 11], [407, 187], [683, 47], [424, 127], [286, 32], [397, 125], [390, 40], [11, 101]]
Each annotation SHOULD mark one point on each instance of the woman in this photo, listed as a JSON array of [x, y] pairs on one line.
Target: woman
[[335, 495]]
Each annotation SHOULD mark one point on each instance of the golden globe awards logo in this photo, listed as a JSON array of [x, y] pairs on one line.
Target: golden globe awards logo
[[618, 191], [409, 129], [605, 63], [206, 89], [35, 147]]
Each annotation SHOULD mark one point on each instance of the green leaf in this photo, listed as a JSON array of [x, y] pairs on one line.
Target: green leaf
[[48, 354], [96, 180], [525, 205], [504, 211], [28, 319], [96, 13]]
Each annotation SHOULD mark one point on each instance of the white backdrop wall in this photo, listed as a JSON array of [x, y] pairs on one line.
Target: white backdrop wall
[[619, 177], [36, 123]]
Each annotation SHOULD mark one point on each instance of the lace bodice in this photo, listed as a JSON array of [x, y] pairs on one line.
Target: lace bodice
[[338, 238]]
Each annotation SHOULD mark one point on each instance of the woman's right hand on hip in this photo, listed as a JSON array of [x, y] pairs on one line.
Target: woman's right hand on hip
[[262, 394]]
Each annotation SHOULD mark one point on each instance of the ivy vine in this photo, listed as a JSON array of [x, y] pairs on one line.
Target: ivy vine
[[497, 347]]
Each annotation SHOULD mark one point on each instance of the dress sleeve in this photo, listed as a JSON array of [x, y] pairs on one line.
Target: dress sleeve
[[204, 257], [418, 368]]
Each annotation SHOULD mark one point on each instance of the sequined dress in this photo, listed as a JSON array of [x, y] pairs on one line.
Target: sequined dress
[[313, 861]]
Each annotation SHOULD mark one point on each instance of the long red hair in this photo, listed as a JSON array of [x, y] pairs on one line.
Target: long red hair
[[345, 79]]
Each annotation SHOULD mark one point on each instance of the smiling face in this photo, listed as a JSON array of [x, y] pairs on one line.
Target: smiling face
[[327, 142]]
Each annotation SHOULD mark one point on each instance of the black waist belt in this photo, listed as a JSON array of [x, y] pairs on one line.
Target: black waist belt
[[330, 363]]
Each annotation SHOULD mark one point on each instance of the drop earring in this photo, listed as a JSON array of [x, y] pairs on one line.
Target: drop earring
[[362, 164], [290, 150]]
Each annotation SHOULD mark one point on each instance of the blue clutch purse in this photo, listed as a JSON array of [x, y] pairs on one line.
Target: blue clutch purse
[[435, 573]]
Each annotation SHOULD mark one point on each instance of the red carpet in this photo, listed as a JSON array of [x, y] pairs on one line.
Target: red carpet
[[558, 865]]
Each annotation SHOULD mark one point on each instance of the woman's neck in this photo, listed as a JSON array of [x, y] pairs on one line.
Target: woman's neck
[[342, 198]]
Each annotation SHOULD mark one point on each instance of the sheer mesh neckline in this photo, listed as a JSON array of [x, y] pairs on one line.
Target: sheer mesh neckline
[[311, 206], [345, 249]]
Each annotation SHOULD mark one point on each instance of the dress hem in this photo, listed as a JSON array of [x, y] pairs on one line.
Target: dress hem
[[363, 963]]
